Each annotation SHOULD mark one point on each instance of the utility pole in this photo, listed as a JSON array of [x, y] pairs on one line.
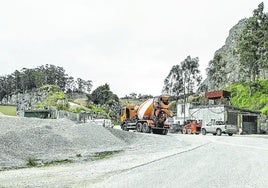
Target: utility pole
[[184, 97]]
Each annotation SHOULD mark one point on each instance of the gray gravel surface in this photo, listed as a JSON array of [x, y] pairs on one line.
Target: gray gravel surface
[[50, 140]]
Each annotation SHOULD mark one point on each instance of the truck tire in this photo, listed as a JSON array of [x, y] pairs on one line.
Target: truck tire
[[230, 134], [218, 131], [145, 128], [204, 132], [125, 127], [138, 127], [165, 131]]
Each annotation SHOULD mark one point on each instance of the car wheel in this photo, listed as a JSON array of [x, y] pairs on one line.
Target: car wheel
[[204, 132], [214, 134], [218, 131], [230, 134]]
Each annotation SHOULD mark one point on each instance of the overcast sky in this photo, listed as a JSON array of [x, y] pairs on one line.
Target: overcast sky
[[129, 44]]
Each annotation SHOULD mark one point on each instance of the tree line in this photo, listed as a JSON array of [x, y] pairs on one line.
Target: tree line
[[29, 79]]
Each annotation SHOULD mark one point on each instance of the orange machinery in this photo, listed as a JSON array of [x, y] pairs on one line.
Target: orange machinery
[[148, 117], [192, 127]]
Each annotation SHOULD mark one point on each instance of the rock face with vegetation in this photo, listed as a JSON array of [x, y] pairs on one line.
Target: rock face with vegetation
[[224, 69], [240, 66], [25, 101], [244, 55]]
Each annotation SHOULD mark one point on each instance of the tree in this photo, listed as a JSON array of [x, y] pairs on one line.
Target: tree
[[133, 95], [173, 83], [191, 74], [216, 70], [253, 44], [182, 79], [3, 87], [83, 86], [102, 95]]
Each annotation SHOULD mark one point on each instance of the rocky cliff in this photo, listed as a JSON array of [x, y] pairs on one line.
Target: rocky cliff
[[231, 72], [25, 101]]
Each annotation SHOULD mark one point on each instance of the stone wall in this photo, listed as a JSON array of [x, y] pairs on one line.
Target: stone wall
[[24, 101]]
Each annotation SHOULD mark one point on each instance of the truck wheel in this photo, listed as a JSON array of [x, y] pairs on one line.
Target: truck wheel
[[165, 131], [189, 131], [184, 131], [204, 132], [230, 134], [214, 134], [218, 131], [138, 127], [125, 127], [145, 128]]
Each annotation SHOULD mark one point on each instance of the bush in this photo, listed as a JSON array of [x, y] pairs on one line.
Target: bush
[[250, 95]]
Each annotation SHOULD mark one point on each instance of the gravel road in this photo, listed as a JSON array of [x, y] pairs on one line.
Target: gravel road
[[146, 160]]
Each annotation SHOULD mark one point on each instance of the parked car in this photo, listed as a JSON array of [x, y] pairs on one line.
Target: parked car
[[219, 127]]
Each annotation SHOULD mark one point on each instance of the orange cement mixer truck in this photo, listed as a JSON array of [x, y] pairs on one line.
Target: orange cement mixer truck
[[149, 117]]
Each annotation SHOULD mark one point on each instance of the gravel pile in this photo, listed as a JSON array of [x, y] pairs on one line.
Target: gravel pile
[[50, 140]]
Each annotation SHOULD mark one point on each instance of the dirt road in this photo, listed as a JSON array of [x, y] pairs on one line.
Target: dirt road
[[173, 160]]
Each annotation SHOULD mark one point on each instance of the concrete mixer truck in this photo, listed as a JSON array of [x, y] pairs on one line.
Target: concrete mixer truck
[[149, 117]]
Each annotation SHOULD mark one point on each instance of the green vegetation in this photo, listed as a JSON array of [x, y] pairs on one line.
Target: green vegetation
[[183, 79], [55, 97], [32, 161], [102, 95], [253, 44], [78, 155], [104, 154], [79, 109], [30, 79], [251, 95], [8, 110], [55, 162], [95, 108]]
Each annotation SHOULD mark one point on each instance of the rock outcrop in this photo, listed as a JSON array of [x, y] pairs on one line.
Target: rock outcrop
[[231, 72]]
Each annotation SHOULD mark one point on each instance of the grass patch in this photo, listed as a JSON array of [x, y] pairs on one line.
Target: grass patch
[[32, 161], [78, 155], [35, 162], [104, 154], [56, 162], [8, 110]]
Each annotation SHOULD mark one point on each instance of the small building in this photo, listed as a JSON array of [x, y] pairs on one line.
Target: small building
[[246, 120], [37, 113], [218, 109]]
